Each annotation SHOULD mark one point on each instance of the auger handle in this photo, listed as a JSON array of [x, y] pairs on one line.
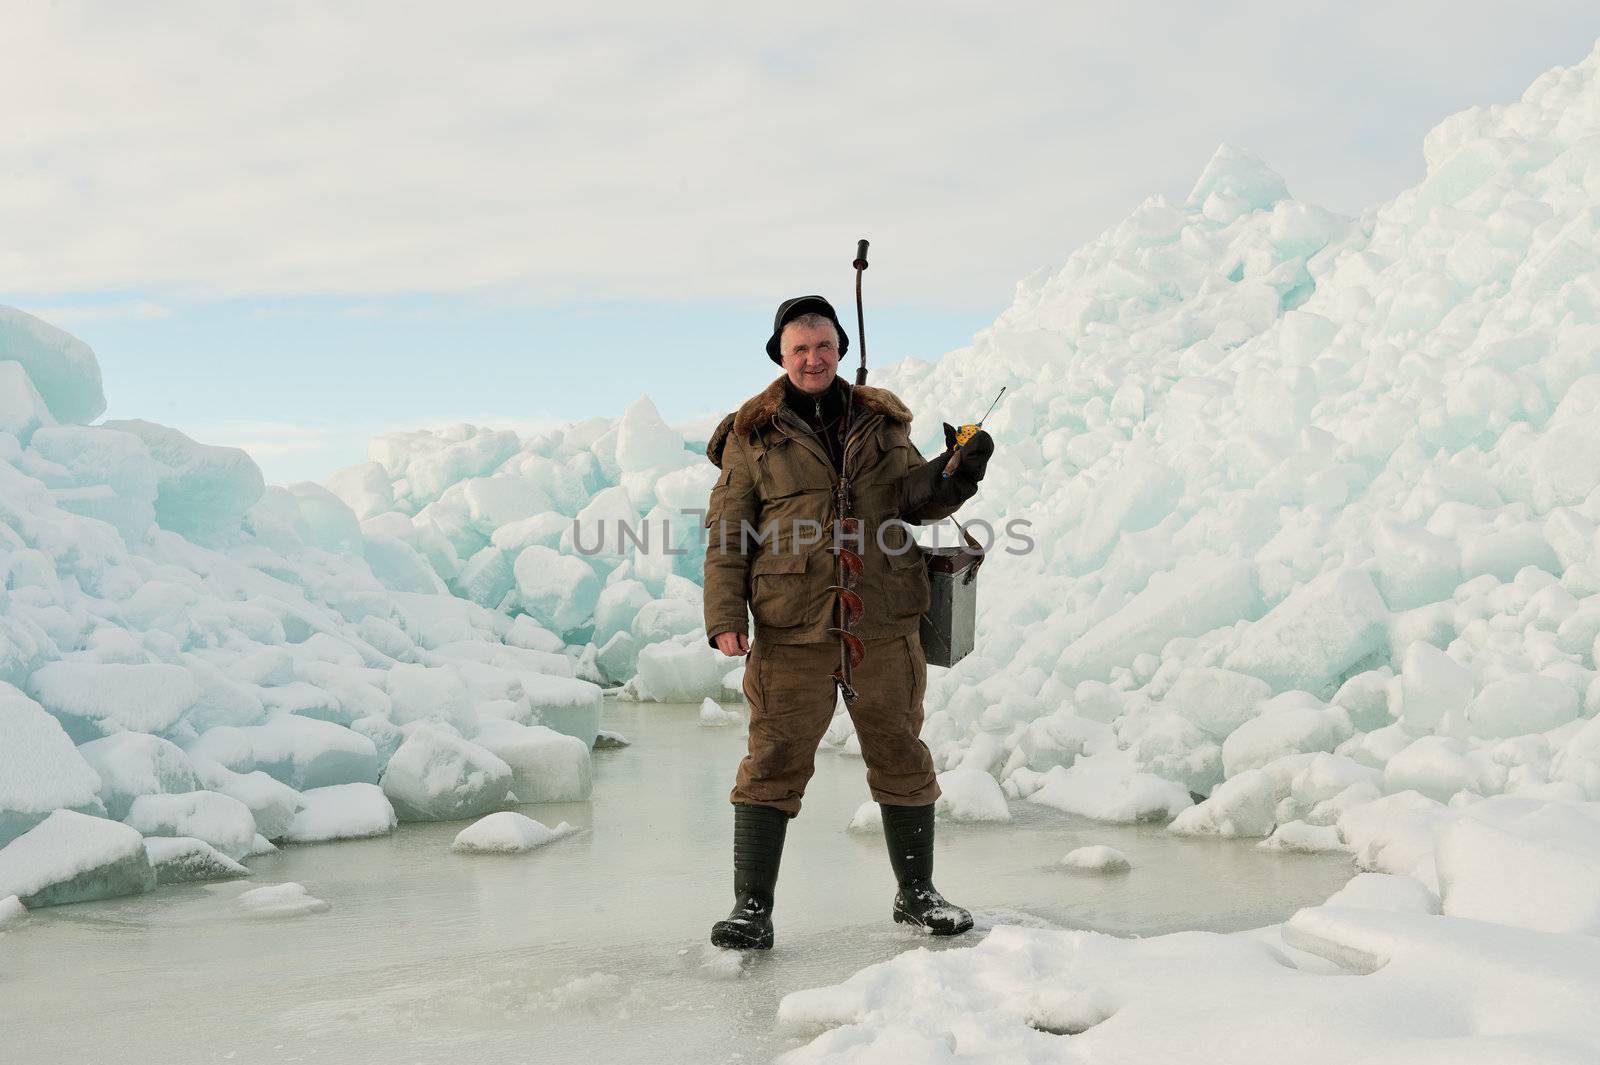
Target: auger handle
[[861, 319]]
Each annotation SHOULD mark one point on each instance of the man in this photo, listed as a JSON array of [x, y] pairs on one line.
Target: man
[[771, 525]]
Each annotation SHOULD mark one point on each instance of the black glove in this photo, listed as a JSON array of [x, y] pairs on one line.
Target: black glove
[[927, 486], [974, 455]]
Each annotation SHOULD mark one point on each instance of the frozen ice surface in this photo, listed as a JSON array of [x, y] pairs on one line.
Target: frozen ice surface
[[436, 776], [342, 811], [40, 770], [1311, 638], [1192, 599], [1217, 700], [225, 823], [281, 900], [427, 994], [60, 366], [72, 857], [680, 669], [22, 409], [507, 832], [201, 489], [185, 860], [558, 591], [1277, 465], [545, 765], [581, 991], [567, 705]]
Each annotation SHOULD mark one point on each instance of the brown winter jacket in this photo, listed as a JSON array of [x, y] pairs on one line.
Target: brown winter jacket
[[776, 476]]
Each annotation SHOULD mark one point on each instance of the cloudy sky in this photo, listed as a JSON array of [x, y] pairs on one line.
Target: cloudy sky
[[289, 226]]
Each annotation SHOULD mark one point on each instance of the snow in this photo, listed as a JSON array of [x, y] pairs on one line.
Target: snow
[[72, 857], [1518, 705], [712, 715], [1314, 505], [1243, 805], [185, 860], [281, 900], [867, 818], [298, 751], [223, 822], [545, 765], [436, 776], [1096, 859], [40, 770], [94, 699], [342, 811], [1295, 723], [272, 803], [1417, 988], [971, 795], [569, 706], [1435, 766], [1298, 837], [507, 832], [12, 911], [131, 764], [1539, 870], [1107, 788]]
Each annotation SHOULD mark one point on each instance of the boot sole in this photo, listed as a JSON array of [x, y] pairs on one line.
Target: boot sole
[[902, 917], [730, 939]]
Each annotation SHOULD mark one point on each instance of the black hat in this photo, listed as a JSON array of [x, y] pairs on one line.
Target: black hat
[[791, 309]]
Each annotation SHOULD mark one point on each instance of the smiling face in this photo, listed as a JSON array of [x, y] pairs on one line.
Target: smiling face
[[810, 347]]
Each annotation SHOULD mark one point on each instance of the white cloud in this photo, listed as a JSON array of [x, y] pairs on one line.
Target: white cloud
[[697, 150], [126, 310]]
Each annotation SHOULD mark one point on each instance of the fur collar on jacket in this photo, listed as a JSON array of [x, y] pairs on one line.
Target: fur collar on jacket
[[758, 411]]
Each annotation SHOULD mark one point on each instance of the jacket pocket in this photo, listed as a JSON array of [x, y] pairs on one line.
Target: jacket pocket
[[781, 595], [907, 592], [719, 492], [788, 468]]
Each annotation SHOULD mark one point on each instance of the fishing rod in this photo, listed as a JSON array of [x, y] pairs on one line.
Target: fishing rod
[[965, 435]]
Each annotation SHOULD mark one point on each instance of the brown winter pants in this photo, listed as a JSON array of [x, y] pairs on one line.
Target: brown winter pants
[[791, 693]]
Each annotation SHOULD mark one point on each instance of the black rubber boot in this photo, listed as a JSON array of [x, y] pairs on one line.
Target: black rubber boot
[[758, 833], [909, 833]]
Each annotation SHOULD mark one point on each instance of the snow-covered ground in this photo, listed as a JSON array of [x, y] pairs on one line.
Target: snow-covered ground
[[591, 947], [188, 654], [1315, 512]]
